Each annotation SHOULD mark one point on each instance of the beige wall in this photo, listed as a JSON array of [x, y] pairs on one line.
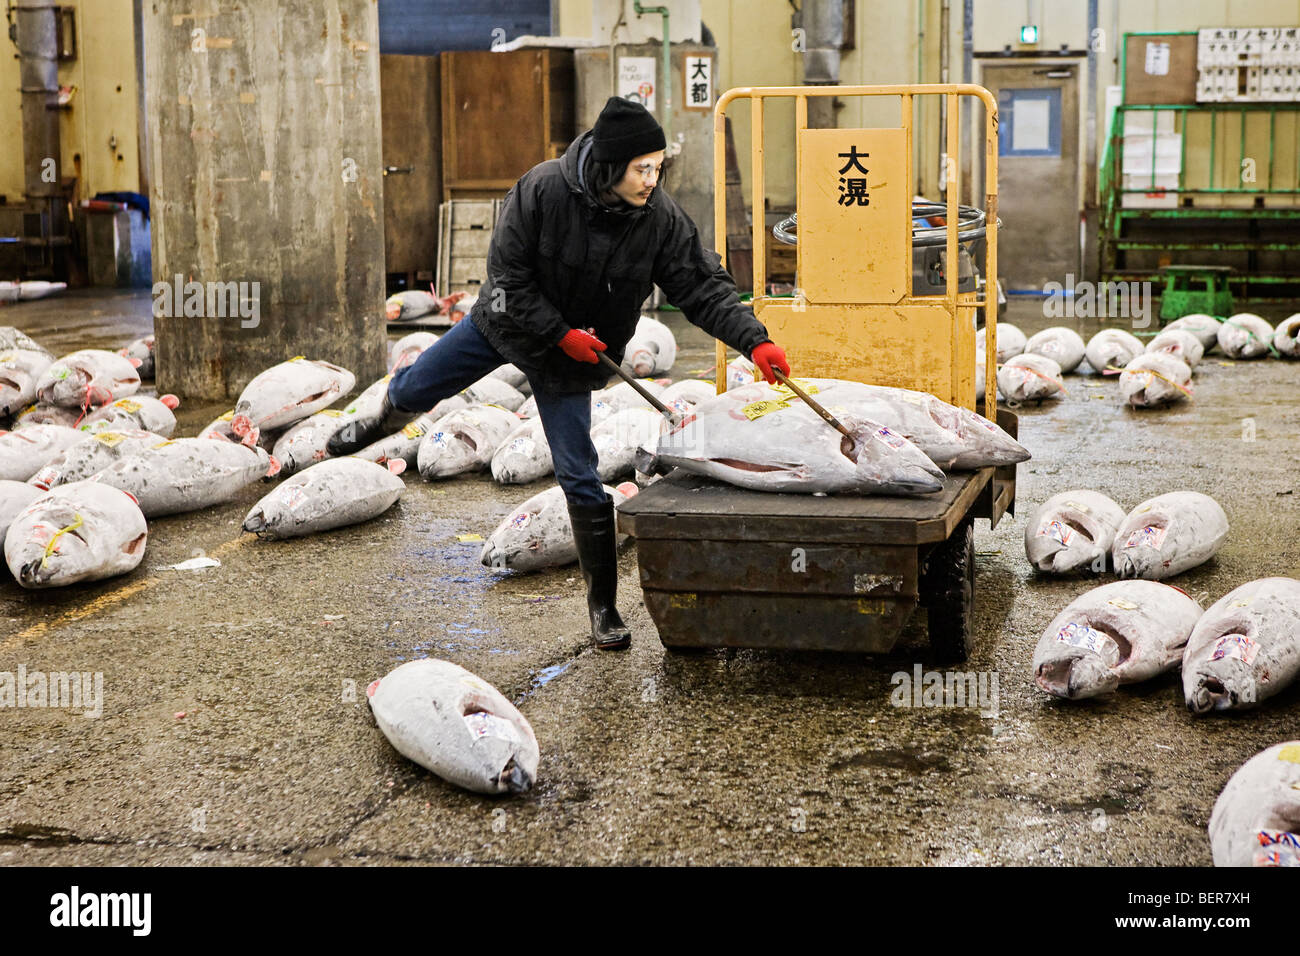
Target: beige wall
[[104, 105], [754, 44]]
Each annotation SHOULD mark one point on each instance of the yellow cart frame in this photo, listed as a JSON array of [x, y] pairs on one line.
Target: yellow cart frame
[[915, 322]]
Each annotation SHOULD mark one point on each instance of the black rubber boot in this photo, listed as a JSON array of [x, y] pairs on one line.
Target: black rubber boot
[[593, 532], [361, 432]]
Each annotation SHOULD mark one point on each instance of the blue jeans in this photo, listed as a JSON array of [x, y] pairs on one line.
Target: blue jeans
[[463, 356]]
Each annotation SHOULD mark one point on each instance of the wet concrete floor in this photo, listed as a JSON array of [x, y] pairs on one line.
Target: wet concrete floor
[[235, 729]]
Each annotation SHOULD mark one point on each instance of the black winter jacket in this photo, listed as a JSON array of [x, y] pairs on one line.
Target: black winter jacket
[[560, 260]]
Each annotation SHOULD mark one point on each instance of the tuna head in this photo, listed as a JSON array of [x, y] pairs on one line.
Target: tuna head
[[641, 360], [885, 459], [1076, 676], [1227, 679]]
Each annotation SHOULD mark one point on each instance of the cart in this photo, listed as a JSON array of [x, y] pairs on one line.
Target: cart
[[722, 566]]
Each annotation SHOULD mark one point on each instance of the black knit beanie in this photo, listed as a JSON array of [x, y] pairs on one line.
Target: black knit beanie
[[623, 131]]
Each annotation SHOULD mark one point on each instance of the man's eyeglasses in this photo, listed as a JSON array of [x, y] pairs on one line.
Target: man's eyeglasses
[[647, 170]]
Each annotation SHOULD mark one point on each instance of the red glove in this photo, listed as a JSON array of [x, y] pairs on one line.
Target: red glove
[[767, 356], [581, 346]]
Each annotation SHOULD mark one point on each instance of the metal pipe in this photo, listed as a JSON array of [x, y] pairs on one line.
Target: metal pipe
[[38, 51], [823, 23], [666, 81], [944, 11], [967, 70]]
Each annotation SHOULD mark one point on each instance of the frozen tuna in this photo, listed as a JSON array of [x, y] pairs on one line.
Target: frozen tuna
[[456, 725], [140, 412], [1011, 341], [652, 350], [513, 376], [77, 532], [524, 455], [92, 454], [1286, 339], [1246, 647], [618, 437], [412, 304], [538, 533], [762, 438], [1167, 535], [1204, 327], [409, 348], [1030, 378], [20, 370], [25, 451], [1119, 633], [1063, 346], [1256, 820], [1154, 379], [331, 494], [1071, 531], [11, 339], [623, 395], [740, 372], [186, 474], [287, 393], [403, 445], [1245, 336], [48, 415], [87, 378], [1180, 343], [1112, 349], [682, 396], [305, 442], [464, 441], [600, 409], [490, 390], [142, 350]]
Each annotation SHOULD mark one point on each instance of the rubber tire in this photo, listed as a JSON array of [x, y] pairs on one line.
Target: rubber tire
[[948, 587]]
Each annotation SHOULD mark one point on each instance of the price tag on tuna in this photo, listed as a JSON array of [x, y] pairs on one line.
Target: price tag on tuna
[[758, 409], [1148, 537], [413, 430], [1235, 645], [127, 405], [1058, 531], [110, 438], [1085, 637], [890, 437], [1290, 753]]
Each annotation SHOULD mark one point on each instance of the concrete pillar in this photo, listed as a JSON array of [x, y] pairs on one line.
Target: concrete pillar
[[264, 155]]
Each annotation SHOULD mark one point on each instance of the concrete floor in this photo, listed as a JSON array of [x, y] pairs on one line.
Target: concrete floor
[[647, 757]]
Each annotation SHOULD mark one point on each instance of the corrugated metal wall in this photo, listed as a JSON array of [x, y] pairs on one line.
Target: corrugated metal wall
[[431, 26]]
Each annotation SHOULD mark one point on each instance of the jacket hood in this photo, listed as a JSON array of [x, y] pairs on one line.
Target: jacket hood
[[571, 164]]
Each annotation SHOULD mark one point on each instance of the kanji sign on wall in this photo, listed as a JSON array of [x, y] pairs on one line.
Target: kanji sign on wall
[[697, 82]]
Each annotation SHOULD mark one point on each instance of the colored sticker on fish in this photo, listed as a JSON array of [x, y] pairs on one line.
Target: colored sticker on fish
[[1277, 848], [1058, 531], [521, 520], [1090, 639], [890, 437], [335, 413], [127, 405], [1290, 753], [293, 496], [785, 390], [1125, 605], [110, 438], [1235, 645], [226, 417], [758, 409], [522, 446], [1148, 537], [413, 430]]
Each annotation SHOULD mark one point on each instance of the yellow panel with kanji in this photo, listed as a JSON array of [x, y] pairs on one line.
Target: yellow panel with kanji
[[854, 215]]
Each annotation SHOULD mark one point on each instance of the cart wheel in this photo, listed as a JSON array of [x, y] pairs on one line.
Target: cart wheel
[[948, 584]]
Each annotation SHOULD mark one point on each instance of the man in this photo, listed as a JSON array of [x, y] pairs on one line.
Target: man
[[580, 243]]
